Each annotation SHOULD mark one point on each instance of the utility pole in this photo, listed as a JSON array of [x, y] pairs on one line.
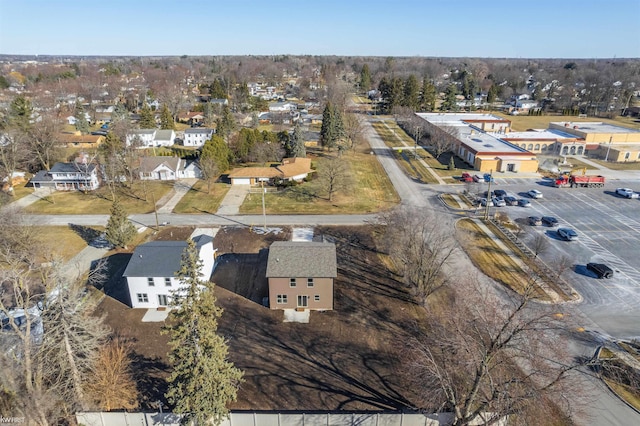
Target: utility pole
[[264, 210], [608, 149], [486, 210]]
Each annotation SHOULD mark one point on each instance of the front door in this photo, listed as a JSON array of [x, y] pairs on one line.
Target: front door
[[511, 167], [162, 300], [303, 301]]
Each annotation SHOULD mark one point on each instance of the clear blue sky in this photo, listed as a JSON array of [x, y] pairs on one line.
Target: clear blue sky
[[452, 28]]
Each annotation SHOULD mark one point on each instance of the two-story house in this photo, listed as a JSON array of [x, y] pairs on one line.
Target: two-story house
[[79, 175], [151, 272], [301, 275], [197, 136], [146, 138]]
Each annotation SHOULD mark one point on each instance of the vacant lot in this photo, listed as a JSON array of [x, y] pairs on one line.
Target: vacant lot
[[346, 359]]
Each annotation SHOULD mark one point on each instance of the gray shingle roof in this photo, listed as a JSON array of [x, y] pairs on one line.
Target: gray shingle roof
[[159, 258], [72, 168], [301, 259], [164, 135]]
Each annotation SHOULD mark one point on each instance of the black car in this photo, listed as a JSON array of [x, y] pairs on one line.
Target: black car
[[549, 220], [487, 195], [511, 201], [500, 193], [600, 269]]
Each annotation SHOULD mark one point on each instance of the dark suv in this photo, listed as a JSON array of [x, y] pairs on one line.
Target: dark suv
[[500, 193], [600, 269], [549, 220]]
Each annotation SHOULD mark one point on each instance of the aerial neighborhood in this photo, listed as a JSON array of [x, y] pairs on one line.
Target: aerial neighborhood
[[291, 240]]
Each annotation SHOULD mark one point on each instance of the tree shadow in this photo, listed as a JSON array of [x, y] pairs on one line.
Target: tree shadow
[[87, 233], [150, 376]]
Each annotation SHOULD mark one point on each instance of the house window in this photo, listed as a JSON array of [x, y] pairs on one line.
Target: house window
[[537, 148], [292, 282], [167, 282], [143, 298], [309, 282], [544, 147], [316, 298], [163, 300], [150, 282], [281, 299], [627, 155]]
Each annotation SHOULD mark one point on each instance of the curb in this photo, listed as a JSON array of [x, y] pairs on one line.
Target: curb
[[597, 356]]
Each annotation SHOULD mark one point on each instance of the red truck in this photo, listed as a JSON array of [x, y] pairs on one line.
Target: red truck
[[580, 181]]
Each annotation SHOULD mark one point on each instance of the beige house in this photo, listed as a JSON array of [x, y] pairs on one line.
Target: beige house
[[301, 275], [290, 169]]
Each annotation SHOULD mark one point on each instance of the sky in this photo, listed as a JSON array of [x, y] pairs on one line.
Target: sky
[[428, 28]]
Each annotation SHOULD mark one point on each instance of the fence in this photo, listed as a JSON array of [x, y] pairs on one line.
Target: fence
[[276, 419]]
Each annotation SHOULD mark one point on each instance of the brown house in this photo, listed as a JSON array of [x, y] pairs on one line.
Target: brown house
[[301, 275]]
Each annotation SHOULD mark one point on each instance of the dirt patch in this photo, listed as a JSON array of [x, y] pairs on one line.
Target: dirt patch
[[346, 359], [173, 233]]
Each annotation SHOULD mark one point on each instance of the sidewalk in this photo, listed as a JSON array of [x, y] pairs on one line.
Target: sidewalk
[[27, 200]]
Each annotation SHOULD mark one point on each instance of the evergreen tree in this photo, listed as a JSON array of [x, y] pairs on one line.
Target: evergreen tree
[[81, 119], [295, 145], [120, 231], [332, 129], [203, 380], [166, 119], [147, 117], [428, 96], [20, 112], [225, 124], [410, 97], [452, 163], [217, 149], [449, 103], [217, 90], [365, 78]]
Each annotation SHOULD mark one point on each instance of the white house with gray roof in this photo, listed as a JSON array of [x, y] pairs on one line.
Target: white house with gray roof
[[197, 136], [151, 272], [146, 138], [301, 275]]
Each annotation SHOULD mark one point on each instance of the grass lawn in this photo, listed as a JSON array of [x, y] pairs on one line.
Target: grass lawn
[[65, 241], [100, 201], [616, 166], [577, 164], [197, 200], [413, 168], [632, 396], [372, 192], [491, 259], [441, 165]]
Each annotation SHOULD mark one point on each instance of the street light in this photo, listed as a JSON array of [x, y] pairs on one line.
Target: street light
[[608, 149], [418, 135]]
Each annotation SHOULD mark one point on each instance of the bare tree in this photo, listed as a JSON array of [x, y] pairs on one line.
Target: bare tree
[[486, 359], [540, 244], [12, 156], [111, 386], [334, 176], [354, 129], [442, 138], [561, 264], [420, 248], [210, 171], [43, 142]]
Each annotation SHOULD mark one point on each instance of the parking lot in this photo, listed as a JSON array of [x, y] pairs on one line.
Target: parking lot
[[608, 228]]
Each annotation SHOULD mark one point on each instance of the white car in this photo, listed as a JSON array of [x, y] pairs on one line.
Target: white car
[[627, 192], [534, 193], [484, 201]]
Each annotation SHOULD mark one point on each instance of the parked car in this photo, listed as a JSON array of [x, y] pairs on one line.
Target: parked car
[[534, 193], [568, 234], [466, 177], [483, 202], [477, 178], [549, 220], [627, 192], [535, 221], [523, 202], [498, 202], [487, 177], [511, 201], [500, 193], [489, 195], [600, 269]]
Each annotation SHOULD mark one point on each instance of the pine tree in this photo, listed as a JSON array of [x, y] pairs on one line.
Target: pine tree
[[203, 380], [332, 129], [449, 103], [166, 119], [365, 78], [492, 94], [82, 124], [225, 124], [428, 96], [20, 112], [120, 231], [411, 96], [147, 118], [295, 146], [217, 149]]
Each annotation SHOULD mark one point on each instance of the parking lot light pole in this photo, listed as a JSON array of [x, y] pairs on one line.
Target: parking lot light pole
[[488, 198]]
